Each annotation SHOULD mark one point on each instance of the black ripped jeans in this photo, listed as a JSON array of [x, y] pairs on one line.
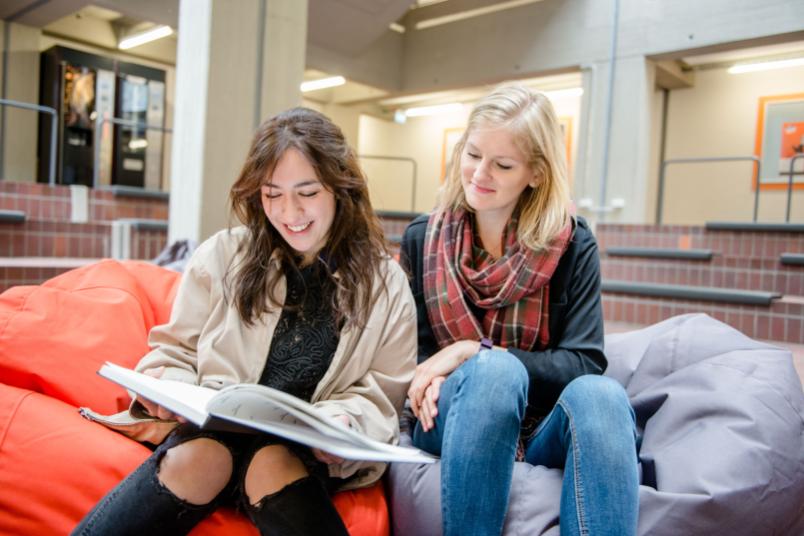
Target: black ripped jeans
[[141, 504]]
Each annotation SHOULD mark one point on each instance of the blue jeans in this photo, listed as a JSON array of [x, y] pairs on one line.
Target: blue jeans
[[590, 433]]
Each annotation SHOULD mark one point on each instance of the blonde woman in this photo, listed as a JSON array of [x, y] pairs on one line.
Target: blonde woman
[[507, 288]]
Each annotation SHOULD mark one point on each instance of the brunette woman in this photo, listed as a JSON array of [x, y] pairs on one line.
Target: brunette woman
[[303, 298]]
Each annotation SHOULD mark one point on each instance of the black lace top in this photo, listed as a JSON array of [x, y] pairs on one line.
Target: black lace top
[[306, 335]]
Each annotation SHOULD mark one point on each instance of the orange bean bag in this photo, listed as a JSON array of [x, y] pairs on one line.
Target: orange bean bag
[[55, 465]]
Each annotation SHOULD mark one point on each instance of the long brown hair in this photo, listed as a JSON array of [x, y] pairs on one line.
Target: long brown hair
[[355, 243]]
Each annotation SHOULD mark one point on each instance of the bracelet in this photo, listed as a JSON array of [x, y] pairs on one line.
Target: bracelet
[[485, 344]]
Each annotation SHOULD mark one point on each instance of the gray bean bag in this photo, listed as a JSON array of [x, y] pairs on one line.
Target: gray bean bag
[[722, 424]]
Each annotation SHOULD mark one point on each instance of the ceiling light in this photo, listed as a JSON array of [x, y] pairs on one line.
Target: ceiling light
[[138, 143], [145, 37], [765, 65], [423, 3], [435, 109], [398, 28], [322, 83], [471, 13]]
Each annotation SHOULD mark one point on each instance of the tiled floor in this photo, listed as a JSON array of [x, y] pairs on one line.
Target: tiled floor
[[796, 349]]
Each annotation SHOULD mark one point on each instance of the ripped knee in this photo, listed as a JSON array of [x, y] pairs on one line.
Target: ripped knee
[[271, 469], [196, 471]]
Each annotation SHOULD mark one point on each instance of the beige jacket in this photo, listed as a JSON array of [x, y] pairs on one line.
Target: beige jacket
[[206, 343]]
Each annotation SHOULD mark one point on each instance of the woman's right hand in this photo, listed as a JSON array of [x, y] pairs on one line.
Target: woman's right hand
[[429, 406], [153, 409], [441, 363]]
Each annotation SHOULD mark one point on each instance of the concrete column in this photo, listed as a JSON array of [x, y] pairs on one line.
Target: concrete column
[[237, 63], [630, 142], [19, 81]]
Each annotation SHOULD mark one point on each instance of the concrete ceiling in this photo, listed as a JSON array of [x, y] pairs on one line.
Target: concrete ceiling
[[346, 37], [346, 26], [350, 26], [38, 13]]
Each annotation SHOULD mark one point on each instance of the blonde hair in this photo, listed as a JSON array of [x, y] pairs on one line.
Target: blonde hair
[[530, 117]]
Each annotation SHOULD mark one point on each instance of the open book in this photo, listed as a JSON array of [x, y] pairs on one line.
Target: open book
[[250, 407]]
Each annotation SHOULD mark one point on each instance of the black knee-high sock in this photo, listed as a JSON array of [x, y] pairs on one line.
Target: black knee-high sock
[[302, 508]]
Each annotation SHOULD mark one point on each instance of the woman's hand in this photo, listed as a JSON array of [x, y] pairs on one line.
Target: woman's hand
[[156, 410], [326, 457], [429, 407], [442, 363]]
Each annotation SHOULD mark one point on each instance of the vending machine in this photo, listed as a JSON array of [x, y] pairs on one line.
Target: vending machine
[[109, 118]]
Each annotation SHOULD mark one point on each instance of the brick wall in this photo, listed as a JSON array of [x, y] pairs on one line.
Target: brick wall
[[724, 272], [52, 203], [741, 260], [42, 238], [726, 243], [49, 233], [782, 321]]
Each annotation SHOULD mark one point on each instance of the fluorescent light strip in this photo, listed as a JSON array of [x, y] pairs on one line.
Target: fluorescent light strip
[[398, 28], [146, 37], [322, 83], [470, 13], [425, 3], [765, 65], [138, 143], [432, 110]]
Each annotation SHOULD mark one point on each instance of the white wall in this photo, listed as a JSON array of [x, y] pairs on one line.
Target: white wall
[[390, 182], [718, 117]]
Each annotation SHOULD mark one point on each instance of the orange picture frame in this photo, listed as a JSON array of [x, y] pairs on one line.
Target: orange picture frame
[[760, 138]]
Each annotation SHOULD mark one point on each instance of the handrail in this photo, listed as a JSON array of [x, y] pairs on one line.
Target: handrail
[[666, 163], [790, 185], [115, 121], [403, 159], [53, 130]]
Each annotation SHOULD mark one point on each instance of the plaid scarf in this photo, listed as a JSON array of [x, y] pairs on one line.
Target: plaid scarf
[[514, 289]]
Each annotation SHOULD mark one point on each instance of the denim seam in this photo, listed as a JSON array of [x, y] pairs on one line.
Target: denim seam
[[445, 437], [101, 508], [578, 487]]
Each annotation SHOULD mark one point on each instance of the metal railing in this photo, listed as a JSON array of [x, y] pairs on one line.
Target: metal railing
[[413, 176], [99, 122], [53, 131], [789, 186], [662, 172]]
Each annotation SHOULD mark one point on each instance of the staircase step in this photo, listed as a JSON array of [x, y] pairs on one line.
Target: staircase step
[[661, 253], [12, 216], [686, 292], [755, 226], [792, 259]]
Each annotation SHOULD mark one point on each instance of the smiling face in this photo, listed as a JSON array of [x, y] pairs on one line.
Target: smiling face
[[298, 205], [494, 172]]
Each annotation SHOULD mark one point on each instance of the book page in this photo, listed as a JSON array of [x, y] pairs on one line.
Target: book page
[[185, 399], [300, 433], [264, 404], [262, 407]]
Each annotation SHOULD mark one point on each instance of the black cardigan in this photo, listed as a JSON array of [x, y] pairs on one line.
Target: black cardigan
[[576, 316]]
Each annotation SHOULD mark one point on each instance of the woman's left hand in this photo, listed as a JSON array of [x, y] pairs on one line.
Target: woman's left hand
[[442, 363], [326, 457]]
